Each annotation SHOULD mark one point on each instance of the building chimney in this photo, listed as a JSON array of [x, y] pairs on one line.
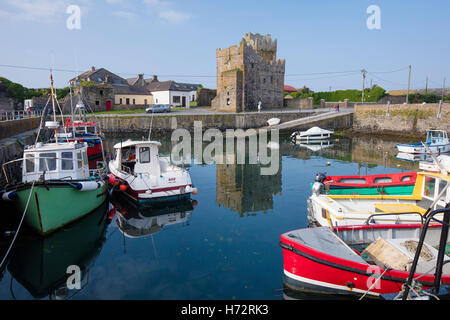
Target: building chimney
[[155, 78], [92, 68], [140, 76]]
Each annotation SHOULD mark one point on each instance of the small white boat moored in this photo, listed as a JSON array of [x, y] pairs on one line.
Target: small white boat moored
[[144, 177], [315, 133], [437, 142], [273, 121]]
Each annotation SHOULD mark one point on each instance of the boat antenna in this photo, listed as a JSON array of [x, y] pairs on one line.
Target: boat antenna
[[52, 95], [151, 125], [71, 109]]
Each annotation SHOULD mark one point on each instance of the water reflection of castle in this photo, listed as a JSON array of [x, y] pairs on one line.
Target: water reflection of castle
[[242, 188]]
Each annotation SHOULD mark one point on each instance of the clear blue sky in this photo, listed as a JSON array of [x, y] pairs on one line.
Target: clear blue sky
[[177, 39]]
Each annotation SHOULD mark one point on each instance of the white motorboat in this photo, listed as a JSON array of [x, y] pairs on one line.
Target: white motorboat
[[142, 175], [273, 121], [315, 133]]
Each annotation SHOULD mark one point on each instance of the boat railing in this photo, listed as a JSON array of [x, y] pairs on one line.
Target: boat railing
[[18, 115], [370, 218], [410, 283]]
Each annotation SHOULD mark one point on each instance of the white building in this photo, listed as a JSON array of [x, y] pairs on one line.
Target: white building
[[172, 93]]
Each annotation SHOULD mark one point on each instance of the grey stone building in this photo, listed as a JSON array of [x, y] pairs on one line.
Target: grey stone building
[[249, 73]]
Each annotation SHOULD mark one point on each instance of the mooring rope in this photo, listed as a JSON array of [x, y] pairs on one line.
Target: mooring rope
[[375, 282], [20, 225]]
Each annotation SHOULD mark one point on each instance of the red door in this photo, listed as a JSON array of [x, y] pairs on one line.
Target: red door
[[108, 105]]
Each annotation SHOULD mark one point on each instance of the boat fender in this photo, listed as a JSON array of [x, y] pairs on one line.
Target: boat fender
[[189, 189], [89, 185], [123, 187], [9, 196], [112, 178]]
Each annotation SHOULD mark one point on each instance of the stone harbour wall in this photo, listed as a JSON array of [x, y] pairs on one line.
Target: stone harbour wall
[[167, 123], [14, 127], [412, 119]]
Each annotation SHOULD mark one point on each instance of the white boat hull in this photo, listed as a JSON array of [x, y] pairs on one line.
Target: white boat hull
[[410, 148], [324, 211]]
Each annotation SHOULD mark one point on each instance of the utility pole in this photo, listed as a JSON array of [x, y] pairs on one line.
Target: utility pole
[[409, 83], [426, 87], [443, 91], [363, 71]]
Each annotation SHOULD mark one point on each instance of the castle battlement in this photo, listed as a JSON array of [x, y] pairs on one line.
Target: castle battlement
[[260, 42]]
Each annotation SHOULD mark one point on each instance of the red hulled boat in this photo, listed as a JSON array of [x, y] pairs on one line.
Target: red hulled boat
[[358, 260], [390, 183]]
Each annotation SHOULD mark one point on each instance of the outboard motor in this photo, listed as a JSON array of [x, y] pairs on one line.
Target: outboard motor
[[321, 177], [319, 186]]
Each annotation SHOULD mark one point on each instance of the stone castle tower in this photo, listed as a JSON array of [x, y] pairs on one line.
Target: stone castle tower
[[248, 74]]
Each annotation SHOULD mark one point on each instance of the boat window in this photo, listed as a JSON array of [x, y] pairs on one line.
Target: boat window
[[66, 161], [406, 178], [85, 157], [430, 185], [442, 184], [129, 154], [352, 180], [382, 180], [29, 163], [144, 155], [79, 159], [47, 161]]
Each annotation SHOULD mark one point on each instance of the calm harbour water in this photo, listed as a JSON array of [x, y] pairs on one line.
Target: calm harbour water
[[224, 247]]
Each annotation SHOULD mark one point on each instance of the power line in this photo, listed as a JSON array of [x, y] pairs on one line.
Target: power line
[[393, 71]]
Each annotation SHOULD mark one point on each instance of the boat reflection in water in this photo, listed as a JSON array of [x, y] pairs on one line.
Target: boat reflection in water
[[314, 145], [140, 221], [41, 264], [414, 157]]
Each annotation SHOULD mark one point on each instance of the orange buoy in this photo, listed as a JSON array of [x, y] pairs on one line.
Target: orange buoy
[[195, 191]]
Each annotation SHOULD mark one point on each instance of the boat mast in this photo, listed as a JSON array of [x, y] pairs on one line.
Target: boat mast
[[71, 110], [52, 95]]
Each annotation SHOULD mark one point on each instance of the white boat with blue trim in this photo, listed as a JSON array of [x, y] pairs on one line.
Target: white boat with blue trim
[[437, 141]]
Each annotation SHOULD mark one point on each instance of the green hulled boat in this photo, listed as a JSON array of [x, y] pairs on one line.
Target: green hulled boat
[[57, 185]]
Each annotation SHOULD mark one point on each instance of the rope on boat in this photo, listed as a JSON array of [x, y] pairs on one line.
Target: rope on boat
[[20, 225], [375, 282]]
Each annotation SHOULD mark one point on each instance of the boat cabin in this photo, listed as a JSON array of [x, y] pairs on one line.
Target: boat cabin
[[66, 160], [137, 157], [437, 137]]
